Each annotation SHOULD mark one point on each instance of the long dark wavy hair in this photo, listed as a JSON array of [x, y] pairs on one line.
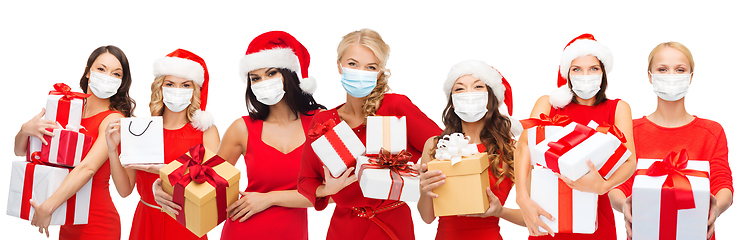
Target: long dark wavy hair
[[600, 97], [120, 101], [496, 136], [298, 101]]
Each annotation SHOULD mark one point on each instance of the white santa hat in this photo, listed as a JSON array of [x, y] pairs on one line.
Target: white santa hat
[[582, 45], [278, 49], [492, 78], [185, 64]]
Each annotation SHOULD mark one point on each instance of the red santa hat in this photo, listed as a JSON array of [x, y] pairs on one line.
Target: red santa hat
[[492, 78], [582, 45], [280, 50], [184, 64]]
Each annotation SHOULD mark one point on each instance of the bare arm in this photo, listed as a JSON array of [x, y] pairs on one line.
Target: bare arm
[[211, 139], [124, 179], [234, 143], [428, 182]]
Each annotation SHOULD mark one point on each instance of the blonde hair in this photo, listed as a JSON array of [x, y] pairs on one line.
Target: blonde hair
[[157, 106], [676, 45], [372, 40]]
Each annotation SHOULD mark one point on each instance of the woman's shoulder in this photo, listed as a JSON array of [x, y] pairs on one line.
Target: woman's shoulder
[[711, 125]]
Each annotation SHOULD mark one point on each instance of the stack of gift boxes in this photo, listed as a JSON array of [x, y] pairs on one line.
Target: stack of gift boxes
[[47, 165]]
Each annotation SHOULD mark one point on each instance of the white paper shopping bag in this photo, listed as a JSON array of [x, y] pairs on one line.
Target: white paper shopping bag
[[142, 141]]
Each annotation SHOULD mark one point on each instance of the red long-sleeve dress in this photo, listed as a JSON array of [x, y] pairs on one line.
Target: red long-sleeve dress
[[345, 223], [103, 220], [149, 222], [703, 139]]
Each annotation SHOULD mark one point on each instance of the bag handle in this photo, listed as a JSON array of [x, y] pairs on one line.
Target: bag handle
[[145, 130]]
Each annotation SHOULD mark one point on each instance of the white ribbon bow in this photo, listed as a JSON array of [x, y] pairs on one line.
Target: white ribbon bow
[[455, 146]]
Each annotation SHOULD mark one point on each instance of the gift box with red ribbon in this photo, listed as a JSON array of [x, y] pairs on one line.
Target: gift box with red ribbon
[[386, 132], [29, 180], [204, 185], [539, 128], [566, 151], [388, 176], [574, 211], [336, 145], [670, 198], [64, 107], [67, 148]]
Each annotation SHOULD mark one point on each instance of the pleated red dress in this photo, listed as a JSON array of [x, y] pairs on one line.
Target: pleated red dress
[[149, 222], [103, 220], [602, 113], [270, 170], [346, 222]]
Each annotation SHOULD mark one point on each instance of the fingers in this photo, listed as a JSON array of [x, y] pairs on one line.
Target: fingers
[[347, 172], [591, 166], [46, 229], [327, 171], [241, 211], [247, 216], [711, 230], [41, 114], [629, 231], [713, 211], [492, 195]]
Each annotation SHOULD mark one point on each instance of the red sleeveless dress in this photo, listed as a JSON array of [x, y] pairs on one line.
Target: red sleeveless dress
[[270, 170], [150, 223], [103, 220], [603, 113]]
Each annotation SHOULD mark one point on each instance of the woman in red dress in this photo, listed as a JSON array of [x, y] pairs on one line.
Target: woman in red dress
[[271, 140], [671, 128], [480, 90], [581, 96], [107, 76], [362, 56], [179, 94]]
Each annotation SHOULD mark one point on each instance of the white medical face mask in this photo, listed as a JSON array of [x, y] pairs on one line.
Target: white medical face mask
[[177, 99], [670, 87], [470, 106], [358, 83], [103, 86], [586, 86], [269, 92]]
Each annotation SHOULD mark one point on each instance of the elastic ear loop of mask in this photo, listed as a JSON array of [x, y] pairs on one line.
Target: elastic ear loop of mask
[[145, 129]]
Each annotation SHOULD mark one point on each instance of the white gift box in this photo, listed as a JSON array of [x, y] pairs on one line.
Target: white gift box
[[46, 180], [599, 148], [548, 131], [74, 115], [341, 137], [378, 184], [647, 203], [387, 132], [142, 141], [545, 192]]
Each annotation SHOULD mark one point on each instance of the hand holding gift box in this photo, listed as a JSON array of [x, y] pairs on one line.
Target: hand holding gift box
[[142, 141], [33, 180], [67, 148], [670, 198], [336, 146], [63, 107], [388, 176], [574, 211], [465, 190], [566, 151], [386, 132], [203, 184], [543, 126]]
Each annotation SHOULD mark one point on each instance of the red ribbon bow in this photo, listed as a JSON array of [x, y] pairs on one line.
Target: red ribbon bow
[[199, 172], [320, 129], [612, 129], [566, 143], [543, 121], [63, 89]]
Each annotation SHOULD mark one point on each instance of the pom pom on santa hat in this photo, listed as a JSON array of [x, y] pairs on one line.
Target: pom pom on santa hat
[[582, 45], [492, 78], [185, 64], [278, 49]]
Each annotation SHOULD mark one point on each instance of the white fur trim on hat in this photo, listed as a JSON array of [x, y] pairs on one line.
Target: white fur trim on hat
[[179, 67], [277, 58], [308, 85], [560, 97], [584, 47], [515, 127], [202, 120], [479, 70]]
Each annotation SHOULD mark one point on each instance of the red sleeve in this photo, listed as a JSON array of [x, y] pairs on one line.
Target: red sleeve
[[721, 174], [419, 127], [311, 174]]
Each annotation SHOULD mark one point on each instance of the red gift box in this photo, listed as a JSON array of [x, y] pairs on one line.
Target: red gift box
[[66, 148]]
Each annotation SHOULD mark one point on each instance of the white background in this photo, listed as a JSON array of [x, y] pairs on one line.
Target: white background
[[48, 42]]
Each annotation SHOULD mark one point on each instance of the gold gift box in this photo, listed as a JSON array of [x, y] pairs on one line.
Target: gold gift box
[[200, 208], [465, 187]]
